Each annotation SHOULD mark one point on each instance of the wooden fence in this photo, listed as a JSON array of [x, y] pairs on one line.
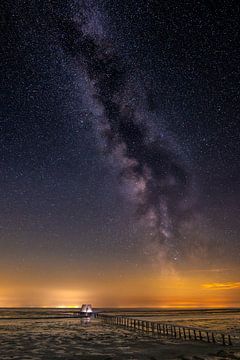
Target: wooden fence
[[157, 329]]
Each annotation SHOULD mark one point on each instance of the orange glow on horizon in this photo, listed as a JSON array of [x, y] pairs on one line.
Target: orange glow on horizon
[[139, 289]]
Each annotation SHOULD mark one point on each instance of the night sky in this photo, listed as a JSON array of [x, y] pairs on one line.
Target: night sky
[[119, 135]]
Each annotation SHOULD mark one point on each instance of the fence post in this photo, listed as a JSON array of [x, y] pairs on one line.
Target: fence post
[[175, 332], [208, 340], [213, 338], [153, 333], [229, 340]]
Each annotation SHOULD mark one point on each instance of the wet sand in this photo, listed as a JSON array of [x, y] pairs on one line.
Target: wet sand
[[73, 339]]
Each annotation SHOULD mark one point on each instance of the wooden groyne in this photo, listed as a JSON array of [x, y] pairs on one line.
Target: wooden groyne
[[158, 329]]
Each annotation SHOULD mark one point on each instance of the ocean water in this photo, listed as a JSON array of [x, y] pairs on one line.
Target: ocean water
[[42, 334]]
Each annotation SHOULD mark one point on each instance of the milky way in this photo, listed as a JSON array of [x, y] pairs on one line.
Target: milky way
[[150, 170], [119, 127]]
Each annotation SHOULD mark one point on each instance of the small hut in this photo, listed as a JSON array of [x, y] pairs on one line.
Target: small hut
[[86, 310]]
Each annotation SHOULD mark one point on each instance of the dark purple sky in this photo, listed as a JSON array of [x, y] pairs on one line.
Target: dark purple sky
[[119, 128]]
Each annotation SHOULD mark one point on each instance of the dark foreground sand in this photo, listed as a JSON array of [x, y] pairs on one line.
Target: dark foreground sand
[[72, 339]]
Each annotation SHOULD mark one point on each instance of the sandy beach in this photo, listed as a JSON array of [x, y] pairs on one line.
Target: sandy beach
[[73, 339]]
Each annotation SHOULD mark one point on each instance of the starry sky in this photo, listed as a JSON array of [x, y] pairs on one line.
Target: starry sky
[[119, 135]]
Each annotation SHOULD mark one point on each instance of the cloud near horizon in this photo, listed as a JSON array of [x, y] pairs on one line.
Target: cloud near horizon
[[222, 286]]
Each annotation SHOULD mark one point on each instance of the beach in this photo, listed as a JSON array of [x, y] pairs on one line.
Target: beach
[[72, 339]]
